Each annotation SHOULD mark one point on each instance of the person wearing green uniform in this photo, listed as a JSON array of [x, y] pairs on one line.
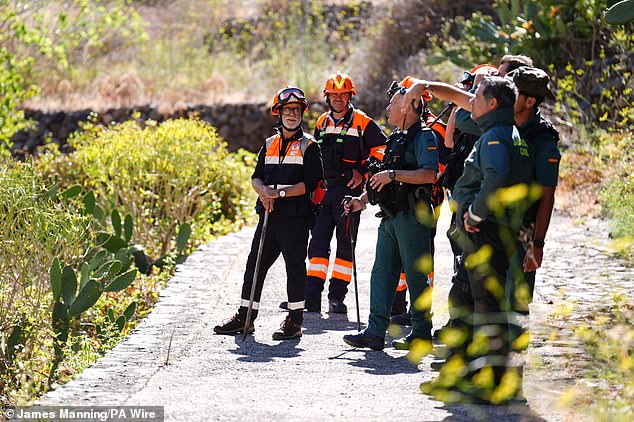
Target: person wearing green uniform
[[402, 189], [491, 206], [542, 139]]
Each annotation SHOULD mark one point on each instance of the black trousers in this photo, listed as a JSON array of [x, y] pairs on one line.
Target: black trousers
[[487, 267], [286, 235], [460, 298]]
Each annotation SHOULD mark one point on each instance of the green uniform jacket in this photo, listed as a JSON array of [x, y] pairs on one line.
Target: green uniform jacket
[[465, 124], [499, 159], [542, 139]]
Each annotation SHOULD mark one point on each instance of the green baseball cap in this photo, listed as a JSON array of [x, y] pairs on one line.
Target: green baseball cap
[[531, 81]]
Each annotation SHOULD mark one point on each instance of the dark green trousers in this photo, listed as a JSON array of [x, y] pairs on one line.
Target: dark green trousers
[[401, 242]]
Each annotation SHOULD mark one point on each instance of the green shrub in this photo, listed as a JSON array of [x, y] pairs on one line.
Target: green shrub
[[35, 227], [551, 32], [163, 175], [617, 196]]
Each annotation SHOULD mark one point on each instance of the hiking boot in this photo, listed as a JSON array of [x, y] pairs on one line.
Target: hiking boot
[[363, 340], [233, 325], [406, 342], [402, 319], [337, 307], [288, 330], [437, 365]]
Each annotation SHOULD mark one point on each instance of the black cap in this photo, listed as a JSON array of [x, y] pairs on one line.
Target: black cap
[[531, 81]]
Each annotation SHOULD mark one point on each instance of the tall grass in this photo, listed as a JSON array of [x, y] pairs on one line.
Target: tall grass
[[192, 53]]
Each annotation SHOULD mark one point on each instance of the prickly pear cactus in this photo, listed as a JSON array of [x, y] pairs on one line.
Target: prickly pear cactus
[[620, 13]]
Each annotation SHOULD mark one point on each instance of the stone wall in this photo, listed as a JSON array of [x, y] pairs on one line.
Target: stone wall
[[241, 125]]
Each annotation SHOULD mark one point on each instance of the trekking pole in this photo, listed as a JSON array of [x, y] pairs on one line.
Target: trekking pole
[[353, 231], [255, 273], [444, 110]]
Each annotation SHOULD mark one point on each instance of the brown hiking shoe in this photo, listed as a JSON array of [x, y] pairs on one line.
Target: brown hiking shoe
[[233, 325], [288, 330]]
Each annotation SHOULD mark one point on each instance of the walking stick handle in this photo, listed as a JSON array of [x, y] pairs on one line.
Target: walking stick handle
[[345, 201], [353, 246]]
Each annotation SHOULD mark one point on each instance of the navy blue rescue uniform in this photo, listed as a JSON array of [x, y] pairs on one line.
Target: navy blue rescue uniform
[[345, 144], [282, 163]]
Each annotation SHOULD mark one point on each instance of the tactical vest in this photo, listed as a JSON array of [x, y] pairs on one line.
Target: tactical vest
[[398, 196], [440, 129], [331, 139]]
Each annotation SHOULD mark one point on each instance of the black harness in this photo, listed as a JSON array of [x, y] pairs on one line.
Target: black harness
[[332, 153], [398, 196]]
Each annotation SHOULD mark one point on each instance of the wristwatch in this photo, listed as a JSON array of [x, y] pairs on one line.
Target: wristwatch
[[282, 193], [538, 243], [392, 174]]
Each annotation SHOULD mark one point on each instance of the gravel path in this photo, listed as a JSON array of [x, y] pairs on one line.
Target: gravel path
[[211, 377]]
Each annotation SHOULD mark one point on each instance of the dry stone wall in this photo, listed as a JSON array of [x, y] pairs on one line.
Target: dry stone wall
[[241, 125]]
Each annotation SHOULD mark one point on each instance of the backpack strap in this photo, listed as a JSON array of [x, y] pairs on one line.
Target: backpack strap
[[304, 143]]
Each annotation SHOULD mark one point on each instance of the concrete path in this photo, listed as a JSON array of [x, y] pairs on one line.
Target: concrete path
[[172, 359]]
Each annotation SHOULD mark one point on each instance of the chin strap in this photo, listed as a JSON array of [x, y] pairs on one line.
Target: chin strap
[[403, 128]]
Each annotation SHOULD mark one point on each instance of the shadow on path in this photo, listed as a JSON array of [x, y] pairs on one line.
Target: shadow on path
[[377, 363], [515, 412], [315, 323], [253, 351]]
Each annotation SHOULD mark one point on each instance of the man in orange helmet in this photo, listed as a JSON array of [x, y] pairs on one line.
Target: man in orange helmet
[[287, 172], [347, 137]]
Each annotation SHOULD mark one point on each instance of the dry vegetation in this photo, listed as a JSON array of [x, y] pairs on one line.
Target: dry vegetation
[[172, 64]]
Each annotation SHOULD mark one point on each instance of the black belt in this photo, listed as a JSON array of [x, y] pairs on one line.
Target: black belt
[[338, 180]]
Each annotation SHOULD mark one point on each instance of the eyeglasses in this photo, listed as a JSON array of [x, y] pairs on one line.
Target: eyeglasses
[[286, 95], [287, 111]]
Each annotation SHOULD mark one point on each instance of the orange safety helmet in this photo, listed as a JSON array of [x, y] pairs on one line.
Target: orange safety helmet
[[483, 69], [409, 81], [406, 84], [288, 95], [338, 83]]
